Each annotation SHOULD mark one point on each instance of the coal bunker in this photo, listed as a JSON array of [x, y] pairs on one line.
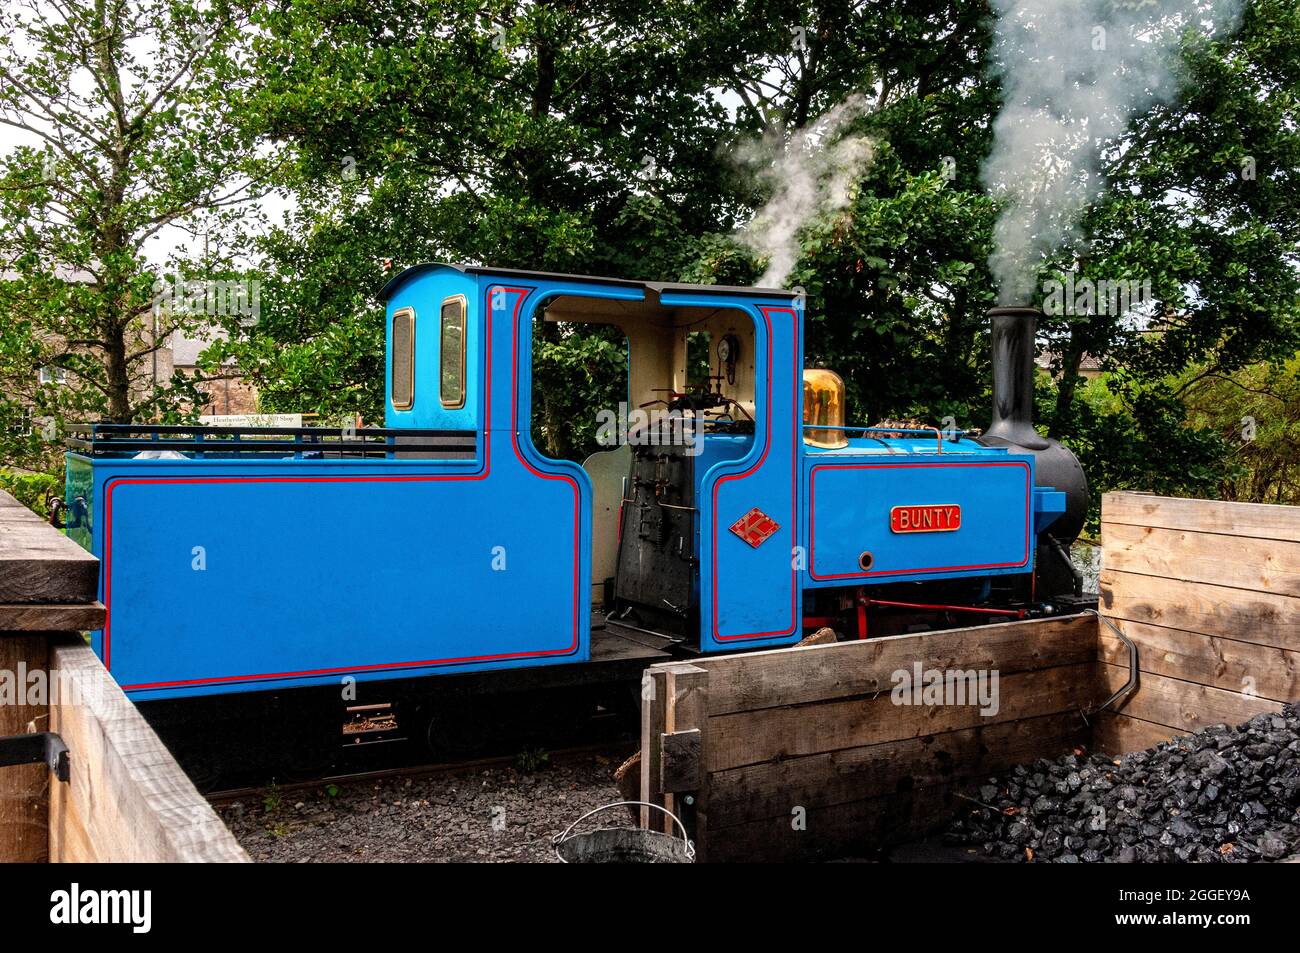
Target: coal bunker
[[1221, 795]]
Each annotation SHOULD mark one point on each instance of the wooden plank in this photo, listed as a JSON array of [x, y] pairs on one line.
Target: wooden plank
[[1269, 672], [1258, 520], [1185, 706], [24, 801], [38, 564], [680, 768], [744, 738], [1264, 565], [52, 618], [775, 788], [654, 691], [852, 828], [687, 687], [807, 674], [13, 511], [1117, 734], [128, 800], [1263, 618], [865, 825]]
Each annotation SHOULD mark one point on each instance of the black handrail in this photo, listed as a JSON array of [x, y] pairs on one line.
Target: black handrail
[[102, 439], [110, 429]]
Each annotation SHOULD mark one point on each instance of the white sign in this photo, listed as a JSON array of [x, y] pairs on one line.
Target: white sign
[[251, 420]]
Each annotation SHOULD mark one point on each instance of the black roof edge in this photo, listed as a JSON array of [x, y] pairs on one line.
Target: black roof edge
[[658, 287]]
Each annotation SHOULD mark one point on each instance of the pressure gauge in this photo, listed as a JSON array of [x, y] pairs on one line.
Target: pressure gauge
[[729, 354]]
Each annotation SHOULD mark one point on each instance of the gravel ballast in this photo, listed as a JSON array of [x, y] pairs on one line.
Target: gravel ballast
[[493, 814], [1221, 795]]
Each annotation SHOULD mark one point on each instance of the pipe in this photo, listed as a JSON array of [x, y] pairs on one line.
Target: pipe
[[923, 429], [1075, 571], [1013, 377], [1131, 685], [978, 610]]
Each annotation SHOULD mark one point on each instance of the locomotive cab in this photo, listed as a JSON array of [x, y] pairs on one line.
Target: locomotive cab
[[711, 414]]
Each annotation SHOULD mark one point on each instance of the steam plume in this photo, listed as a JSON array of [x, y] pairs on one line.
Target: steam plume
[[1074, 74], [810, 174]]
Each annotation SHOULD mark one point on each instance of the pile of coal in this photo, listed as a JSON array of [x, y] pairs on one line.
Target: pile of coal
[[1221, 795]]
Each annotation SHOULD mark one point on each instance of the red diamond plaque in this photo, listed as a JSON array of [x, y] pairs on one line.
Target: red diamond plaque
[[755, 527]]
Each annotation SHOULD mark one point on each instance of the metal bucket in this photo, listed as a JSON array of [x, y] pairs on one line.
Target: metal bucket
[[624, 845]]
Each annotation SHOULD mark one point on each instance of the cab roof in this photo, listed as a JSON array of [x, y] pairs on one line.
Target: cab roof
[[658, 287]]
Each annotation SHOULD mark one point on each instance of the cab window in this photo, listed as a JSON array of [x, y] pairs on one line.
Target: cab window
[[402, 385], [451, 378]]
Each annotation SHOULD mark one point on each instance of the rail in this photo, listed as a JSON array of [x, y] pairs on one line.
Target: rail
[[107, 440], [953, 436]]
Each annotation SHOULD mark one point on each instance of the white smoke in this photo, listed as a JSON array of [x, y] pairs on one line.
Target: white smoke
[[1074, 73], [810, 172]]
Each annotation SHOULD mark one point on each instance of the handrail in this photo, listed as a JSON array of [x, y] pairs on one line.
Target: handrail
[[111, 429], [923, 431], [104, 439]]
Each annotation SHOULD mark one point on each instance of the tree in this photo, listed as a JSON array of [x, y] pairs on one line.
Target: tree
[[518, 134], [1256, 411], [897, 282], [545, 135], [122, 109], [1201, 200]]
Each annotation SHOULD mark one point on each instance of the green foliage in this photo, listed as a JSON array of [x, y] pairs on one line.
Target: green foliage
[[32, 490], [564, 137], [600, 138], [532, 760], [272, 800], [577, 371], [1131, 436], [1256, 412]]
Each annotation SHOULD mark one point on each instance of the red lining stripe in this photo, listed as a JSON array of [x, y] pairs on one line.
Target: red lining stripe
[[794, 485], [577, 494]]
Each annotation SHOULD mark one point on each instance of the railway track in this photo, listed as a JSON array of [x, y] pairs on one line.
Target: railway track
[[615, 750], [233, 747]]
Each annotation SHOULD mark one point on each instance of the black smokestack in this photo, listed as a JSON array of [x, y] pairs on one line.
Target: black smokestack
[[1013, 378]]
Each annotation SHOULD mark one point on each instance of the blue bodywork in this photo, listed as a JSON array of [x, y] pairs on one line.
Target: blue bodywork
[[225, 573], [850, 492]]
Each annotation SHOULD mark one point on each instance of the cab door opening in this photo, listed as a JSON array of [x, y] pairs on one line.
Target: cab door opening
[[688, 404]]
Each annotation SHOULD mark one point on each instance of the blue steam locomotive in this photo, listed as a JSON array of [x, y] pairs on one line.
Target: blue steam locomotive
[[727, 513]]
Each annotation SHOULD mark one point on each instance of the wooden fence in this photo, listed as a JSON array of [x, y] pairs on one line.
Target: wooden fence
[[126, 799], [1210, 593], [803, 752], [798, 752]]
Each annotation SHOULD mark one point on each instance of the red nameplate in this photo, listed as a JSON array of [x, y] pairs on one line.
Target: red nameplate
[[943, 518]]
